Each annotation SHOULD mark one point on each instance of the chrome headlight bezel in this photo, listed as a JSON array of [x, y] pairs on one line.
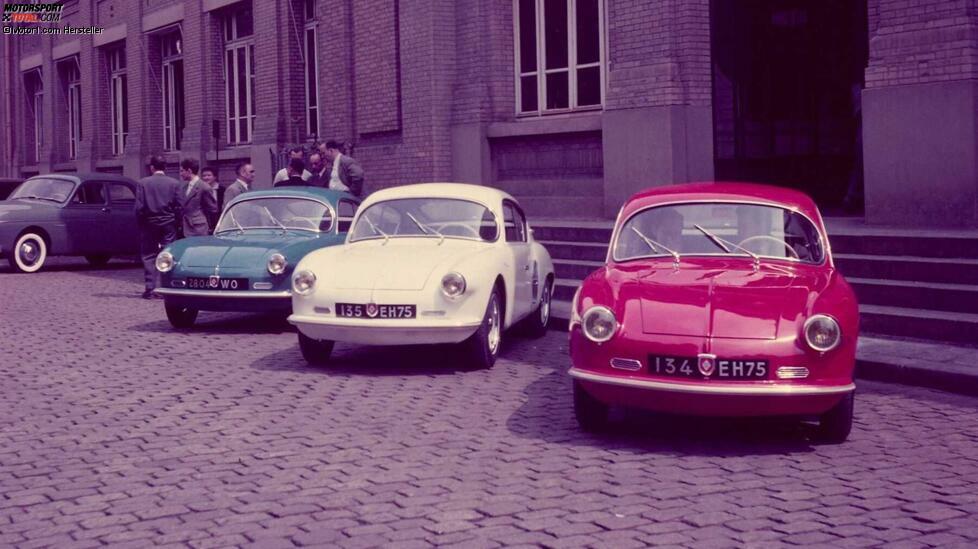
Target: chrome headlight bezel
[[164, 261], [276, 264], [304, 282], [453, 285], [820, 320], [603, 314]]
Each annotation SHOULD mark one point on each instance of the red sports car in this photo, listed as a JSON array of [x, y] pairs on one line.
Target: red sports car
[[717, 299]]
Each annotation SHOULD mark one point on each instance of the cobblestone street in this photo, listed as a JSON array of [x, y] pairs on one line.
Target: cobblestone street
[[116, 429]]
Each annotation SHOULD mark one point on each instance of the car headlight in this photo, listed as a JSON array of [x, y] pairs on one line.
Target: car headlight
[[164, 262], [822, 333], [599, 324], [276, 264], [303, 282], [453, 285]]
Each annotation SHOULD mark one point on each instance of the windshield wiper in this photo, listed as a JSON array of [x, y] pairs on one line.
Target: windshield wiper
[[426, 229], [235, 221], [722, 244], [274, 219], [377, 229], [654, 246]]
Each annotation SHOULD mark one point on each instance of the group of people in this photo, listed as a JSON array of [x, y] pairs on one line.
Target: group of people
[[167, 209]]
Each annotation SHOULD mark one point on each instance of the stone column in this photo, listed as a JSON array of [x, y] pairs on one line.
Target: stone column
[[920, 105], [658, 119]]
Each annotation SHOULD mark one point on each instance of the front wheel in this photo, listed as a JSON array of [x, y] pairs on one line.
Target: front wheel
[[591, 413], [29, 253], [315, 352], [98, 260], [181, 318], [834, 426], [536, 324], [482, 347]]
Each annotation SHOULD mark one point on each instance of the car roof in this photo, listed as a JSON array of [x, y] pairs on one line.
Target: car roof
[[464, 191], [320, 193], [88, 176], [724, 191]]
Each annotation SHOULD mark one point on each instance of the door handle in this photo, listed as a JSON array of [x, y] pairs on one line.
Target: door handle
[[526, 267], [106, 209]]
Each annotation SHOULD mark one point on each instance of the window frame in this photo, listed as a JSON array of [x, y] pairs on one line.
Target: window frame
[[119, 95], [540, 71], [519, 223], [173, 88], [234, 43], [312, 100], [72, 76], [34, 81], [82, 187]]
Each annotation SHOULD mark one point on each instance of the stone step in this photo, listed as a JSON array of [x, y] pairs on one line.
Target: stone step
[[899, 267], [550, 206], [577, 187], [585, 251], [914, 245], [572, 269], [580, 232], [962, 298]]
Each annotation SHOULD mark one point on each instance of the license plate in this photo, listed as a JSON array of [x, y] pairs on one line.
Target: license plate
[[217, 283], [373, 310], [713, 368]]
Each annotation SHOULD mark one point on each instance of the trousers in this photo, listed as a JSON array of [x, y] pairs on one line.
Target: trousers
[[152, 239]]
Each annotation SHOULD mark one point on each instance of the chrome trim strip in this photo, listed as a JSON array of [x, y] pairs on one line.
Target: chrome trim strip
[[746, 390], [285, 294]]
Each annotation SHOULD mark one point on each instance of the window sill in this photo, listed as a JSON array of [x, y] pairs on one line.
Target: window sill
[[587, 121], [233, 152], [109, 163]]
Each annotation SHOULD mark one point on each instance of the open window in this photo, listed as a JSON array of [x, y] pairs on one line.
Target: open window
[[345, 212]]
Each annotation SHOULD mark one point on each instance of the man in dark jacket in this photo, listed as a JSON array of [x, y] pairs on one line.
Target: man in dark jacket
[[294, 171], [199, 203], [158, 202], [345, 173]]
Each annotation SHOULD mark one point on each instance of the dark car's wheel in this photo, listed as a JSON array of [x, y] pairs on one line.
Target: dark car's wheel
[[834, 426], [536, 324], [315, 352], [29, 253], [591, 413], [180, 317], [482, 347], [98, 260]]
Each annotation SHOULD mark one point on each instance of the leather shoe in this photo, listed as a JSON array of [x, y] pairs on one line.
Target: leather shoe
[[148, 294]]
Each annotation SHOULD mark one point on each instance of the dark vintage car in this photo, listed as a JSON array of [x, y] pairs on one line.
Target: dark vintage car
[[90, 215], [7, 186]]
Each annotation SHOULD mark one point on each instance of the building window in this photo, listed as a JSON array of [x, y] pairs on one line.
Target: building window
[[119, 96], [171, 48], [72, 79], [311, 68], [35, 104], [559, 55], [239, 74]]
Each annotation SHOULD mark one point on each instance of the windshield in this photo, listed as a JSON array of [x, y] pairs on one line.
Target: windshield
[[43, 188], [426, 217], [719, 228], [277, 213]]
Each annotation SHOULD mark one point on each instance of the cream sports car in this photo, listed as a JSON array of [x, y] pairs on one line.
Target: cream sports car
[[426, 263]]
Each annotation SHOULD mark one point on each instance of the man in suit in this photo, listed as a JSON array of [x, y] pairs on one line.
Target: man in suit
[[295, 168], [246, 175], [158, 202], [199, 203], [320, 175], [283, 174], [345, 173]]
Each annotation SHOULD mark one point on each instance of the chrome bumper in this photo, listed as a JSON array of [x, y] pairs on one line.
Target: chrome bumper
[[257, 294], [715, 389]]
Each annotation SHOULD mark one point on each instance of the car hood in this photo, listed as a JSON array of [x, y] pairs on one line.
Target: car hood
[[723, 299], [248, 250], [398, 264]]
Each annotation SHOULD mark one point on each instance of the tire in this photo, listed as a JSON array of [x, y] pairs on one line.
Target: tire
[[29, 253], [181, 318], [536, 324], [482, 347], [315, 352], [591, 414], [98, 260], [834, 426]]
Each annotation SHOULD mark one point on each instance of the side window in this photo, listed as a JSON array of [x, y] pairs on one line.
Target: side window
[[345, 212], [90, 193], [121, 194], [514, 223]]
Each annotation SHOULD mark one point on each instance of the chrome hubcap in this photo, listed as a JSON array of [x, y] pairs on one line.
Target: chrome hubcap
[[545, 306], [29, 252], [494, 331]]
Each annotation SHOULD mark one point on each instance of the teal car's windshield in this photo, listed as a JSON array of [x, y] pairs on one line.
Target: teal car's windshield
[[283, 213], [43, 188], [719, 228], [426, 217]]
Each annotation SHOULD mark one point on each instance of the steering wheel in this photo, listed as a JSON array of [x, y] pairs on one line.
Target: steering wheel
[[787, 246], [311, 223], [467, 229]]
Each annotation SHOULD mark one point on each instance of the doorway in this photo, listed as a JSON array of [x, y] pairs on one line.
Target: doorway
[[787, 81]]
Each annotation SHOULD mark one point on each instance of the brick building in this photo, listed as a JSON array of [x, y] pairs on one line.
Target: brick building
[[571, 105]]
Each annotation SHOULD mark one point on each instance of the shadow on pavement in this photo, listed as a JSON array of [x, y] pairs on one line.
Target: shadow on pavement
[[548, 415], [219, 323]]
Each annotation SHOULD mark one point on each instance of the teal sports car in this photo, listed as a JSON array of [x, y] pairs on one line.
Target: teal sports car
[[246, 265]]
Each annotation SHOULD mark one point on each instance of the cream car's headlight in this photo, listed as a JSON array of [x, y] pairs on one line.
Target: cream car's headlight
[[822, 333], [453, 285], [164, 262], [599, 324], [277, 264], [303, 282]]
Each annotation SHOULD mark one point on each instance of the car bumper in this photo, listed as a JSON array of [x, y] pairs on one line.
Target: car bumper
[[215, 300], [764, 398], [385, 332]]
